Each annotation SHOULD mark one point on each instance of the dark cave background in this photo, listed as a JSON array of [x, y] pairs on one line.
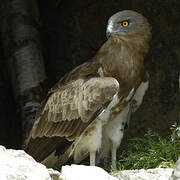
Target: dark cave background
[[72, 32]]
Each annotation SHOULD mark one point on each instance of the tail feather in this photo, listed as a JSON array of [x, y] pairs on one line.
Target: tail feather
[[41, 147]]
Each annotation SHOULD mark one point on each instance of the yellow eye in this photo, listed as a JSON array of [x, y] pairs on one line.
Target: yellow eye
[[125, 23]]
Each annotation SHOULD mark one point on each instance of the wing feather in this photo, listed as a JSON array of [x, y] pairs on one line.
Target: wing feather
[[52, 129], [70, 109], [76, 128], [60, 120]]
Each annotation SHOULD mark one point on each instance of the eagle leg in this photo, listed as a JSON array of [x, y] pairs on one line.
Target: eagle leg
[[113, 156], [92, 158]]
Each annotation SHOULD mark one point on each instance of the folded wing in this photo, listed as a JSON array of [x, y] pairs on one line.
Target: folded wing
[[67, 113]]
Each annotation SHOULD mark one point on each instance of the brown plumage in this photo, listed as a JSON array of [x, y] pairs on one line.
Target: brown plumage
[[87, 109]]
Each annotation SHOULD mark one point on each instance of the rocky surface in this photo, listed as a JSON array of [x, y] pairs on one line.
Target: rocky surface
[[176, 172], [17, 165], [81, 172], [150, 174]]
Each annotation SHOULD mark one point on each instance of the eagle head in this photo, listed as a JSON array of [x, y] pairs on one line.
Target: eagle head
[[127, 22]]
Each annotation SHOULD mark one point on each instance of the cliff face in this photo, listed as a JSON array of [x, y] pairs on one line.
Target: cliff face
[[73, 31]]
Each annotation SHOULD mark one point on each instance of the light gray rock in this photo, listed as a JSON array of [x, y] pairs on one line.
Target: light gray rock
[[81, 172], [150, 174], [17, 165], [176, 172]]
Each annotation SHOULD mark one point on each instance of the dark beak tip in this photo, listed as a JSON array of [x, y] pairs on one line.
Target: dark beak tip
[[108, 34]]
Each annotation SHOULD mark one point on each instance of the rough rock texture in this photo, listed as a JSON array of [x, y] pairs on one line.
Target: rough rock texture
[[17, 165], [81, 172], [176, 172], [150, 174]]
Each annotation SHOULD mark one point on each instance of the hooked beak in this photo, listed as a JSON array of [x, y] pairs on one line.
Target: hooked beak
[[109, 30], [108, 34]]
